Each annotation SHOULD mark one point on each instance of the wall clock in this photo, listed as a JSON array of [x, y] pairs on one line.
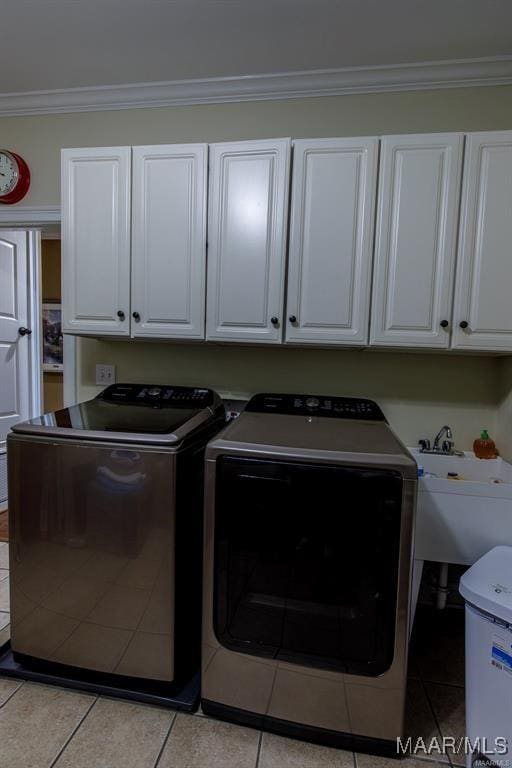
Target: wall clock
[[14, 177]]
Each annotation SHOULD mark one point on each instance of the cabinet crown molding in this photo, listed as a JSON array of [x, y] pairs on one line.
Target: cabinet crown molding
[[456, 73]]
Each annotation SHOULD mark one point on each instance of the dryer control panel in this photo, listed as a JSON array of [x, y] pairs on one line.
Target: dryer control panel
[[159, 395], [318, 405]]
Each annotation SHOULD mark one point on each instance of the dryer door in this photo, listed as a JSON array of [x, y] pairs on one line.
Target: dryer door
[[306, 562]]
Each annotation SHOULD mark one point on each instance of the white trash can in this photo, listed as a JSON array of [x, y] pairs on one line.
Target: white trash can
[[487, 589]]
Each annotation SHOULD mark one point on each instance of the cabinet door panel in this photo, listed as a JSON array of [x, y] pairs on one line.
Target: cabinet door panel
[[331, 240], [484, 272], [96, 240], [169, 240], [247, 240], [418, 205]]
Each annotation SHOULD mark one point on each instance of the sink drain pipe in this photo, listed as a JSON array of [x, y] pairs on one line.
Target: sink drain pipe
[[442, 586]]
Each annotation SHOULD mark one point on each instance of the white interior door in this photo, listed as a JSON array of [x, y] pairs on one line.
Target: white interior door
[[15, 369], [169, 240], [483, 295], [247, 227], [415, 244], [331, 240]]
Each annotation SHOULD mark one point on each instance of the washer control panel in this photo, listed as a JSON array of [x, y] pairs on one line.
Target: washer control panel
[[158, 395], [318, 405]]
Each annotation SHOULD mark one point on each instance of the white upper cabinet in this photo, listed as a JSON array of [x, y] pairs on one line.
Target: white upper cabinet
[[169, 240], [96, 240], [418, 206], [145, 254], [483, 296], [247, 240], [331, 240]]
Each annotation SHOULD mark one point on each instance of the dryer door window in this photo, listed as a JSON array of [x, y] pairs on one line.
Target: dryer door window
[[306, 562]]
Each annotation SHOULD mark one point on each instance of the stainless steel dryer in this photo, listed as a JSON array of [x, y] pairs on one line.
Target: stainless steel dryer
[[309, 510], [105, 517]]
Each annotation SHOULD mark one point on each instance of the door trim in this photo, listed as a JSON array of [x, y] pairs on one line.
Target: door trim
[[45, 220], [34, 318], [29, 216], [33, 295]]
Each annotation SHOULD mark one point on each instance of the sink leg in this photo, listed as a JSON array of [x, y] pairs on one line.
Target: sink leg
[[442, 586]]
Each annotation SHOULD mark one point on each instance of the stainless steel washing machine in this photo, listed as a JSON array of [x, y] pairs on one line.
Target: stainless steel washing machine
[[105, 519], [309, 511]]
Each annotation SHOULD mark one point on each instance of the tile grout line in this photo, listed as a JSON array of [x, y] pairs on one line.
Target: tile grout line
[[22, 682], [429, 761], [72, 734], [166, 740], [452, 686], [258, 753], [425, 679], [434, 715], [440, 682]]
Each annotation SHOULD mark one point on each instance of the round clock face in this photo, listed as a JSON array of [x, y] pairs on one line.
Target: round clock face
[[14, 177], [9, 173]]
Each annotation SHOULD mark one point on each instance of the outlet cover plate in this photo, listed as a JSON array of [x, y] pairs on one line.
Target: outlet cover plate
[[105, 375]]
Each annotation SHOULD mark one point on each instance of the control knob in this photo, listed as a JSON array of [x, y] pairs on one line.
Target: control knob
[[154, 391], [312, 402]]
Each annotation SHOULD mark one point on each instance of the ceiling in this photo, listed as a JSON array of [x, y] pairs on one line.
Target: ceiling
[[62, 44]]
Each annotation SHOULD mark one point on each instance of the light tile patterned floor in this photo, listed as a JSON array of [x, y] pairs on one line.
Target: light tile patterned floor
[[48, 727]]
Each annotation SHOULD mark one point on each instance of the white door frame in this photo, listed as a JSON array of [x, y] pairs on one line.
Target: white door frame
[[34, 319], [32, 291], [42, 222]]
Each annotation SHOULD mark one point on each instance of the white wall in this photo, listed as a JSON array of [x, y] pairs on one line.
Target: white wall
[[418, 392], [40, 138], [503, 434]]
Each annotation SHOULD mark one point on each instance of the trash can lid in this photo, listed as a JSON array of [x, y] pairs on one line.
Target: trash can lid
[[488, 583]]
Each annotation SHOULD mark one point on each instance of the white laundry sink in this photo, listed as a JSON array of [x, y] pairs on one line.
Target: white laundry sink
[[458, 521]]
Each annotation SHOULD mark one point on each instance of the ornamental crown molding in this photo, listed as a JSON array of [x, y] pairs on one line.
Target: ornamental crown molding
[[29, 216], [292, 85]]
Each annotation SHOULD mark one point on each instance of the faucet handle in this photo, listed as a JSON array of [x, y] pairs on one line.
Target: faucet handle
[[424, 444], [448, 446]]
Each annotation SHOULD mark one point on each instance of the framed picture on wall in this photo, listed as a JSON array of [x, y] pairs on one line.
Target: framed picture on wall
[[52, 337]]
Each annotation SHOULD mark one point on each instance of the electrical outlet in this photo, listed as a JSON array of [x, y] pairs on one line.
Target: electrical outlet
[[105, 375]]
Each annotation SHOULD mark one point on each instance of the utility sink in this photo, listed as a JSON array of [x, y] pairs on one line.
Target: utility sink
[[459, 520]]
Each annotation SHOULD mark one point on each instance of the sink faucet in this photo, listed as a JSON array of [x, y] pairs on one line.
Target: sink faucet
[[448, 444], [445, 448]]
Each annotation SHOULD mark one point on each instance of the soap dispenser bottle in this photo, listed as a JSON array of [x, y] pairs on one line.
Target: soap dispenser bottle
[[484, 447]]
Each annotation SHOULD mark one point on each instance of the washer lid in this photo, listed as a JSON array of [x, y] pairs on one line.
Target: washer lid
[[488, 583], [154, 414]]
